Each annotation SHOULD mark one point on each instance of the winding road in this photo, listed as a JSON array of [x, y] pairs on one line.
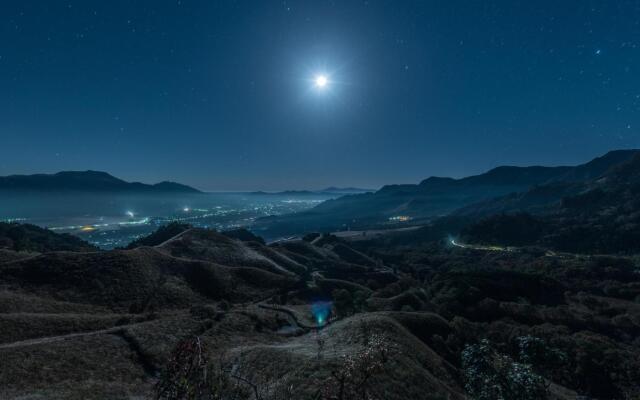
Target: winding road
[[481, 247]]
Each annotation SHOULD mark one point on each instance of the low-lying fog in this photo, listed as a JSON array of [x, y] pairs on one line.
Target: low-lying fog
[[112, 220]]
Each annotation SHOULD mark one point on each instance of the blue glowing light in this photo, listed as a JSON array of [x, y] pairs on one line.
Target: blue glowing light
[[321, 311]]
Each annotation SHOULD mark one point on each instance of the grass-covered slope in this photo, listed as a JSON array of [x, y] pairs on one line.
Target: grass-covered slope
[[31, 238], [406, 316]]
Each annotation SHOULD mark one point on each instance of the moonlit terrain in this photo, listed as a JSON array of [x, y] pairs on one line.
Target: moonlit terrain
[[114, 220]]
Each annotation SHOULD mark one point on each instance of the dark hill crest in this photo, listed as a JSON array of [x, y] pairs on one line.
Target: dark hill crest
[[87, 181]]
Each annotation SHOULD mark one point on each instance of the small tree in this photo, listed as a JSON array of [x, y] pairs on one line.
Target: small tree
[[185, 375], [352, 377], [343, 302], [190, 376], [536, 352], [360, 301]]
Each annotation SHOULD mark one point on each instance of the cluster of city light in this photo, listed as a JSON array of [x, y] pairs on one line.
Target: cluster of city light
[[11, 220], [100, 230], [400, 218], [292, 201], [93, 227]]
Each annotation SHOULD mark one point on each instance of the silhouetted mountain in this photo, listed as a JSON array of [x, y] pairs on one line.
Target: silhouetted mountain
[[437, 196], [328, 191], [601, 215], [535, 200], [540, 197], [346, 190], [598, 166], [87, 181], [286, 193]]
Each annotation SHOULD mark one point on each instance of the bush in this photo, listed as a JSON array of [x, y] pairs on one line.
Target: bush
[[343, 302], [492, 376], [353, 376], [507, 230], [185, 376], [191, 374]]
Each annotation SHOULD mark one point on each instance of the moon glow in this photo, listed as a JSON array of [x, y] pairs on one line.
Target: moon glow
[[321, 81]]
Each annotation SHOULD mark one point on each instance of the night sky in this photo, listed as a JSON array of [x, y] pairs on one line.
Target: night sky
[[221, 95]]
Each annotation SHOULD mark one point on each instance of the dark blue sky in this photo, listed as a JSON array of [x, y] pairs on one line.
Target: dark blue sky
[[219, 95]]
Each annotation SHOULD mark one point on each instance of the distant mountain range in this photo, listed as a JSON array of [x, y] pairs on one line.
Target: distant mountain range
[[333, 189], [560, 308], [86, 181], [328, 191], [537, 197], [595, 216], [503, 188]]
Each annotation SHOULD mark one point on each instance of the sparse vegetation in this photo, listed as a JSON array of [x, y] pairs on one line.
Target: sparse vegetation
[[553, 324], [352, 377], [490, 375]]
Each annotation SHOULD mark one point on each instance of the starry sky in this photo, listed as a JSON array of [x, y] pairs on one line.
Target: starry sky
[[220, 94]]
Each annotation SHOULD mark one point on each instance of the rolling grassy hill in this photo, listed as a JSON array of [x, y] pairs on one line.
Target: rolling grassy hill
[[401, 313]]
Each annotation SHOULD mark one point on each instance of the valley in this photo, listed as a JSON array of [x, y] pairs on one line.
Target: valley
[[431, 301], [319, 200]]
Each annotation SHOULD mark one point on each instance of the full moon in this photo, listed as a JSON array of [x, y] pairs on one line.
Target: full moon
[[321, 81]]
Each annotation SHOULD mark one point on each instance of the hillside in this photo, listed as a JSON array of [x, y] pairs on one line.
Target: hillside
[[596, 216], [394, 316], [85, 181], [540, 197], [436, 196], [31, 238], [389, 319]]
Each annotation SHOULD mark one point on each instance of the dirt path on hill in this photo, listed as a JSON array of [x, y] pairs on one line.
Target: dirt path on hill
[[176, 237], [292, 317], [53, 339]]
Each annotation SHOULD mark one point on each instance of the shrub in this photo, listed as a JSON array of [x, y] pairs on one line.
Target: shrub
[[185, 376], [343, 302], [492, 376], [190, 375], [353, 376]]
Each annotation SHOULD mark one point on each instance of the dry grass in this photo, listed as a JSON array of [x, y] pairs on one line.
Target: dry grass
[[73, 369], [23, 326], [203, 284]]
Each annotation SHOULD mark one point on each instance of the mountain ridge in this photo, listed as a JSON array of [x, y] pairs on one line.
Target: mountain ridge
[[89, 180], [599, 216], [327, 191], [436, 196], [575, 181]]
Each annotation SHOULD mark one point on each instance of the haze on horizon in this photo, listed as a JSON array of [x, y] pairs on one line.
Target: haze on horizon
[[225, 96]]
